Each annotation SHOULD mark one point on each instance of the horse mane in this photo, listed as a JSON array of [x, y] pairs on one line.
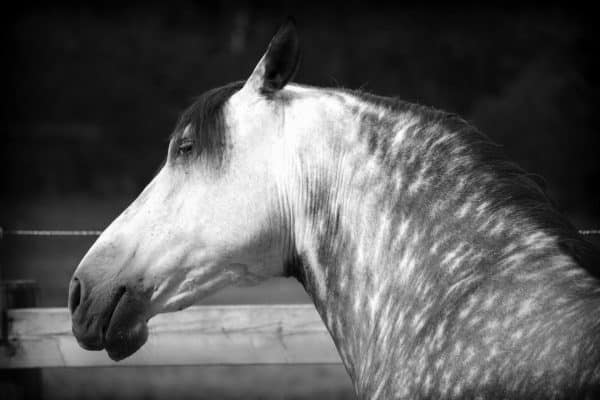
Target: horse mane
[[512, 185]]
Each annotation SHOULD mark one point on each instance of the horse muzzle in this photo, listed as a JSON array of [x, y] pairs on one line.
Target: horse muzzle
[[108, 316]]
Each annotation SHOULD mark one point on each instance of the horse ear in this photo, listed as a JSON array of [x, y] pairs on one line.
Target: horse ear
[[280, 63]]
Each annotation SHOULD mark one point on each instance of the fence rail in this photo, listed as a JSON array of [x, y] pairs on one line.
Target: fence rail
[[201, 335]]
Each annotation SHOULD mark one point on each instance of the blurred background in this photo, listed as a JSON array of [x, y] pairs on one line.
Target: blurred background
[[92, 93]]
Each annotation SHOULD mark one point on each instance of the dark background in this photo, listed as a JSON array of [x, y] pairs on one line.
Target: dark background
[[92, 92]]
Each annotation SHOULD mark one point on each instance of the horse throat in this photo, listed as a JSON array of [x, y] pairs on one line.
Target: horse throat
[[341, 263]]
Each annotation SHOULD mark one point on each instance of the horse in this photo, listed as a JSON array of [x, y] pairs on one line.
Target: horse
[[440, 268]]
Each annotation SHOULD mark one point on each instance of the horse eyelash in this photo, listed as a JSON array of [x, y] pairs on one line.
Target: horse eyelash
[[184, 146]]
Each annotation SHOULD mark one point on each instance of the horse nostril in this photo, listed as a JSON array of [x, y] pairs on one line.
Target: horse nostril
[[74, 295]]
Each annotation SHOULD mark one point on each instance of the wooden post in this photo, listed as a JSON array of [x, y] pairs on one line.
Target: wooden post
[[17, 383]]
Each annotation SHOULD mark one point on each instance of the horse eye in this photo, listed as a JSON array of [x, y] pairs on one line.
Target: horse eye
[[185, 147]]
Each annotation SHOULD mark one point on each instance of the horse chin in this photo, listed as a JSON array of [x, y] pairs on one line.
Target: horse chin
[[121, 342]]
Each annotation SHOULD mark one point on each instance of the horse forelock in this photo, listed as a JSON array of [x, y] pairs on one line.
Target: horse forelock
[[206, 123]]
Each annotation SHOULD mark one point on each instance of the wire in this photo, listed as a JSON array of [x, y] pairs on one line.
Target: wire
[[590, 231], [49, 232], [93, 232]]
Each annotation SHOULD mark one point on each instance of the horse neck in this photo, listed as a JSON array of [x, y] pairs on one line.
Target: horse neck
[[388, 229]]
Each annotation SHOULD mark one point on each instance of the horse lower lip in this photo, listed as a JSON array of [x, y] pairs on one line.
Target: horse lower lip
[[92, 347], [126, 329], [126, 342]]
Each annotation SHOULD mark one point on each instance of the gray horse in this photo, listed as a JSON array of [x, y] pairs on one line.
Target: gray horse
[[440, 269]]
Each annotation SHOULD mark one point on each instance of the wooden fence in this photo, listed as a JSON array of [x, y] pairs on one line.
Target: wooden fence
[[202, 335]]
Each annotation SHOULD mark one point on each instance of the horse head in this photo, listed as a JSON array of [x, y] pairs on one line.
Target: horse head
[[212, 216]]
